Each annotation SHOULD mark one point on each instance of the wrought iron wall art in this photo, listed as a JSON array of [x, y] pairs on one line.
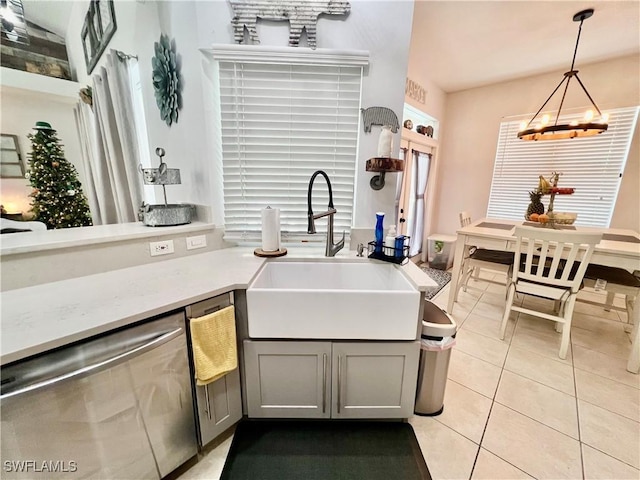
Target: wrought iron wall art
[[379, 116], [414, 90], [99, 27], [167, 85], [301, 16]]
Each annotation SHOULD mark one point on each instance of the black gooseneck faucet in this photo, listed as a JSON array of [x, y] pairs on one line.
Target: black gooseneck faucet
[[331, 248]]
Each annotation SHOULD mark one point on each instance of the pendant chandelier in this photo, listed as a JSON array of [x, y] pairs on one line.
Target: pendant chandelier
[[587, 127]]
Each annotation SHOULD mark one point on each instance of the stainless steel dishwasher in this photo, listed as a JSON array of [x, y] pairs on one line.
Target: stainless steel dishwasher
[[119, 406]]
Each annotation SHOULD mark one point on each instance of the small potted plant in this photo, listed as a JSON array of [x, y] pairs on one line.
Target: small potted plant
[[439, 261]]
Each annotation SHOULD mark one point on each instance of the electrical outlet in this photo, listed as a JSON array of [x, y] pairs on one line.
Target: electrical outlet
[[161, 248], [199, 241]]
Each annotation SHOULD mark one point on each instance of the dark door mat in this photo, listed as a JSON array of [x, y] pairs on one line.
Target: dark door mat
[[324, 450], [441, 277]]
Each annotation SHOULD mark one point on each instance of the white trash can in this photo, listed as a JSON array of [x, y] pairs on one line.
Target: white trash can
[[438, 337], [440, 251]]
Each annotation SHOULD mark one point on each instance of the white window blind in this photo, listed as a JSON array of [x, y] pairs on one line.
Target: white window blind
[[280, 123], [592, 165]]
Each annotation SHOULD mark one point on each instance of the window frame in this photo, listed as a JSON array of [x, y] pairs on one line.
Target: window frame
[[594, 166], [3, 161], [287, 57]]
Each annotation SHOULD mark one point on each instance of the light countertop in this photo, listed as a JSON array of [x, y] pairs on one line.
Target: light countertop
[[37, 241], [43, 317]]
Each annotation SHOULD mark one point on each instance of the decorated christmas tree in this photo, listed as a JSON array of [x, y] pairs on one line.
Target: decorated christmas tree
[[58, 200]]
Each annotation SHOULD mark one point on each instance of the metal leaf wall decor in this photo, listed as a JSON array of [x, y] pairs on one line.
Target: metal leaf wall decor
[[302, 15], [166, 79]]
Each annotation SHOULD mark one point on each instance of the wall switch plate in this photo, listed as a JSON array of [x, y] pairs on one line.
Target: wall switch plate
[[161, 248], [199, 241]]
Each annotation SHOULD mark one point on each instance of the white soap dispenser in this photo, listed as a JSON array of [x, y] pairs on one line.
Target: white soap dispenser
[[390, 239]]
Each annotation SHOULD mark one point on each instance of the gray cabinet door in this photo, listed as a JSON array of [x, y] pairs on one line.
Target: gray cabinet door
[[288, 379], [374, 379], [219, 406]]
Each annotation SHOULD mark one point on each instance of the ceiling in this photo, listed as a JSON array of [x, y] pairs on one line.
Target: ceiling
[[472, 43]]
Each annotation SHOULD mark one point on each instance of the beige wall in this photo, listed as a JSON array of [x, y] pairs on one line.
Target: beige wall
[[469, 136]]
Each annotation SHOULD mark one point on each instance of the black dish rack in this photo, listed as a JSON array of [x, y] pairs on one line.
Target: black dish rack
[[389, 253]]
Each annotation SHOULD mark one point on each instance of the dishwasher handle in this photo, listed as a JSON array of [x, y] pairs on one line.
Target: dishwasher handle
[[99, 366]]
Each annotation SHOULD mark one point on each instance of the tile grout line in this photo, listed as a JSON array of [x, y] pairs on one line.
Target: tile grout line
[[574, 369], [493, 402], [575, 386]]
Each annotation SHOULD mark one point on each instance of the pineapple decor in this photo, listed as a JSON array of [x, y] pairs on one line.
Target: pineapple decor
[[536, 205]]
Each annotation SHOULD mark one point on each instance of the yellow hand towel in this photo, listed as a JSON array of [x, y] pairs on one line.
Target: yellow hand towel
[[213, 339]]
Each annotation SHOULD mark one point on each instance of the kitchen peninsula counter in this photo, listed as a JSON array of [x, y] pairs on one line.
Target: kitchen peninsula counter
[[43, 317]]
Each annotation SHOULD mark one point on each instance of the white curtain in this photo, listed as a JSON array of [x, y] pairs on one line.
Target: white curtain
[[110, 146], [416, 221], [85, 123]]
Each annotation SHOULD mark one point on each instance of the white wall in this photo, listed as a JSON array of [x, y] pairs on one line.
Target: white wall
[[20, 112], [135, 22], [382, 27], [138, 27], [469, 136]]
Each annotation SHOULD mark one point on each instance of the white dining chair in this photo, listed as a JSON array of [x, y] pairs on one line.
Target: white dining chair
[[550, 264], [477, 259], [622, 282]]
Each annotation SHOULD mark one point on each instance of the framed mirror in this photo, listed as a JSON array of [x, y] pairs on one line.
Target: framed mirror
[[11, 165], [99, 26]]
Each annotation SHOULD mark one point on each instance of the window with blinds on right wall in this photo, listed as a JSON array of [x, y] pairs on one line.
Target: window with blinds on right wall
[[593, 166]]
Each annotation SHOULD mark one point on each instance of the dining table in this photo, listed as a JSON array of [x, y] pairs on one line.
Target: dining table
[[618, 248]]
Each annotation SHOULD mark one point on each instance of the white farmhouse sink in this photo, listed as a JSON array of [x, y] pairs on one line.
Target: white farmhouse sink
[[332, 300]]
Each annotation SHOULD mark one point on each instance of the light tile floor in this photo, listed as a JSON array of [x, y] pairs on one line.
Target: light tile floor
[[513, 409]]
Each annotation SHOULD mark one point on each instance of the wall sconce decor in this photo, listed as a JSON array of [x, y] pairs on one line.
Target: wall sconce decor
[[99, 26], [14, 27], [382, 166], [586, 128]]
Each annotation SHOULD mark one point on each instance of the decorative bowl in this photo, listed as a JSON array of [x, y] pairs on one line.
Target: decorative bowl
[[562, 218]]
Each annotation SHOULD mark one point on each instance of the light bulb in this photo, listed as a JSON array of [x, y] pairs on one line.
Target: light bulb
[[604, 118], [10, 207], [588, 116], [545, 119], [574, 123], [523, 125]]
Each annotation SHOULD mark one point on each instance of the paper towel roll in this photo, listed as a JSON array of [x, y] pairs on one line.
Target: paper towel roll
[[270, 229], [385, 142]]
